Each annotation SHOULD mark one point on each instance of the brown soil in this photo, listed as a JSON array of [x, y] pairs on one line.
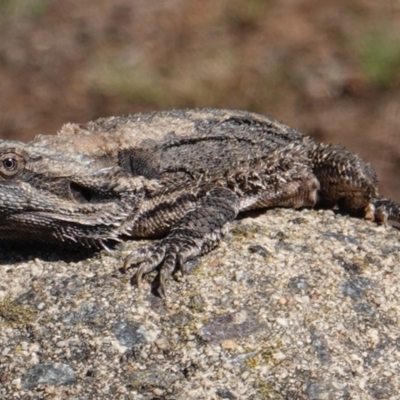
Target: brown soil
[[330, 69]]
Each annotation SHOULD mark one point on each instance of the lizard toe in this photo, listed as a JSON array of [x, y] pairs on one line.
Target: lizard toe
[[137, 256], [146, 259], [173, 262]]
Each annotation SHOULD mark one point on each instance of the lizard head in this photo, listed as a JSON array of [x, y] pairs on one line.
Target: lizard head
[[53, 196]]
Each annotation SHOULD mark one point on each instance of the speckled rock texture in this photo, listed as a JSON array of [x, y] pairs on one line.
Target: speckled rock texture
[[291, 305]]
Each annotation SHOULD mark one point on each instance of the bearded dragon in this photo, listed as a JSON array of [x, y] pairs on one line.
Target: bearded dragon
[[180, 176]]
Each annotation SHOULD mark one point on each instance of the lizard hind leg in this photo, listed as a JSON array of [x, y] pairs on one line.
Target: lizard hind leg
[[384, 210], [346, 180], [196, 233]]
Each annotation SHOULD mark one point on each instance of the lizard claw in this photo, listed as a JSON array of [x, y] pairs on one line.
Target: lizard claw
[[180, 265], [161, 285], [137, 277]]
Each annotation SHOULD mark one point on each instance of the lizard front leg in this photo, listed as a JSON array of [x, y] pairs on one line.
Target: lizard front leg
[[196, 233]]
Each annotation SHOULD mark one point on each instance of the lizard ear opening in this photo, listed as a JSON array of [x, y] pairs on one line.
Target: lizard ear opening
[[80, 193], [139, 162]]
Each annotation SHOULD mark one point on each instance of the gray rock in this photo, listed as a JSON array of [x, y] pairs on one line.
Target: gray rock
[[275, 322], [52, 374]]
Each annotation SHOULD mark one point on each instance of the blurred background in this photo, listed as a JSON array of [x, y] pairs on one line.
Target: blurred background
[[330, 69]]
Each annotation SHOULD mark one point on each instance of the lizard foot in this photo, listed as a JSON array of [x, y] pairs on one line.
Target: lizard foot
[[167, 256], [199, 231]]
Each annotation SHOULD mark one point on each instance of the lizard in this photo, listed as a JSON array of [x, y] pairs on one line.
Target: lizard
[[180, 177]]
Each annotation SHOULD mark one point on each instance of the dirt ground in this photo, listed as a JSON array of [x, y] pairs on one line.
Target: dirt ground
[[330, 69]]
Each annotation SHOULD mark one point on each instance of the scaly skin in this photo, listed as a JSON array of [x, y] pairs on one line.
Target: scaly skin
[[184, 175]]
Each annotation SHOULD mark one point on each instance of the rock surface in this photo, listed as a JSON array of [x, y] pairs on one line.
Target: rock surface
[[291, 305]]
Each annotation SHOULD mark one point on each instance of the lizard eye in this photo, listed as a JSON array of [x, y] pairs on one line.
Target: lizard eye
[[10, 164]]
